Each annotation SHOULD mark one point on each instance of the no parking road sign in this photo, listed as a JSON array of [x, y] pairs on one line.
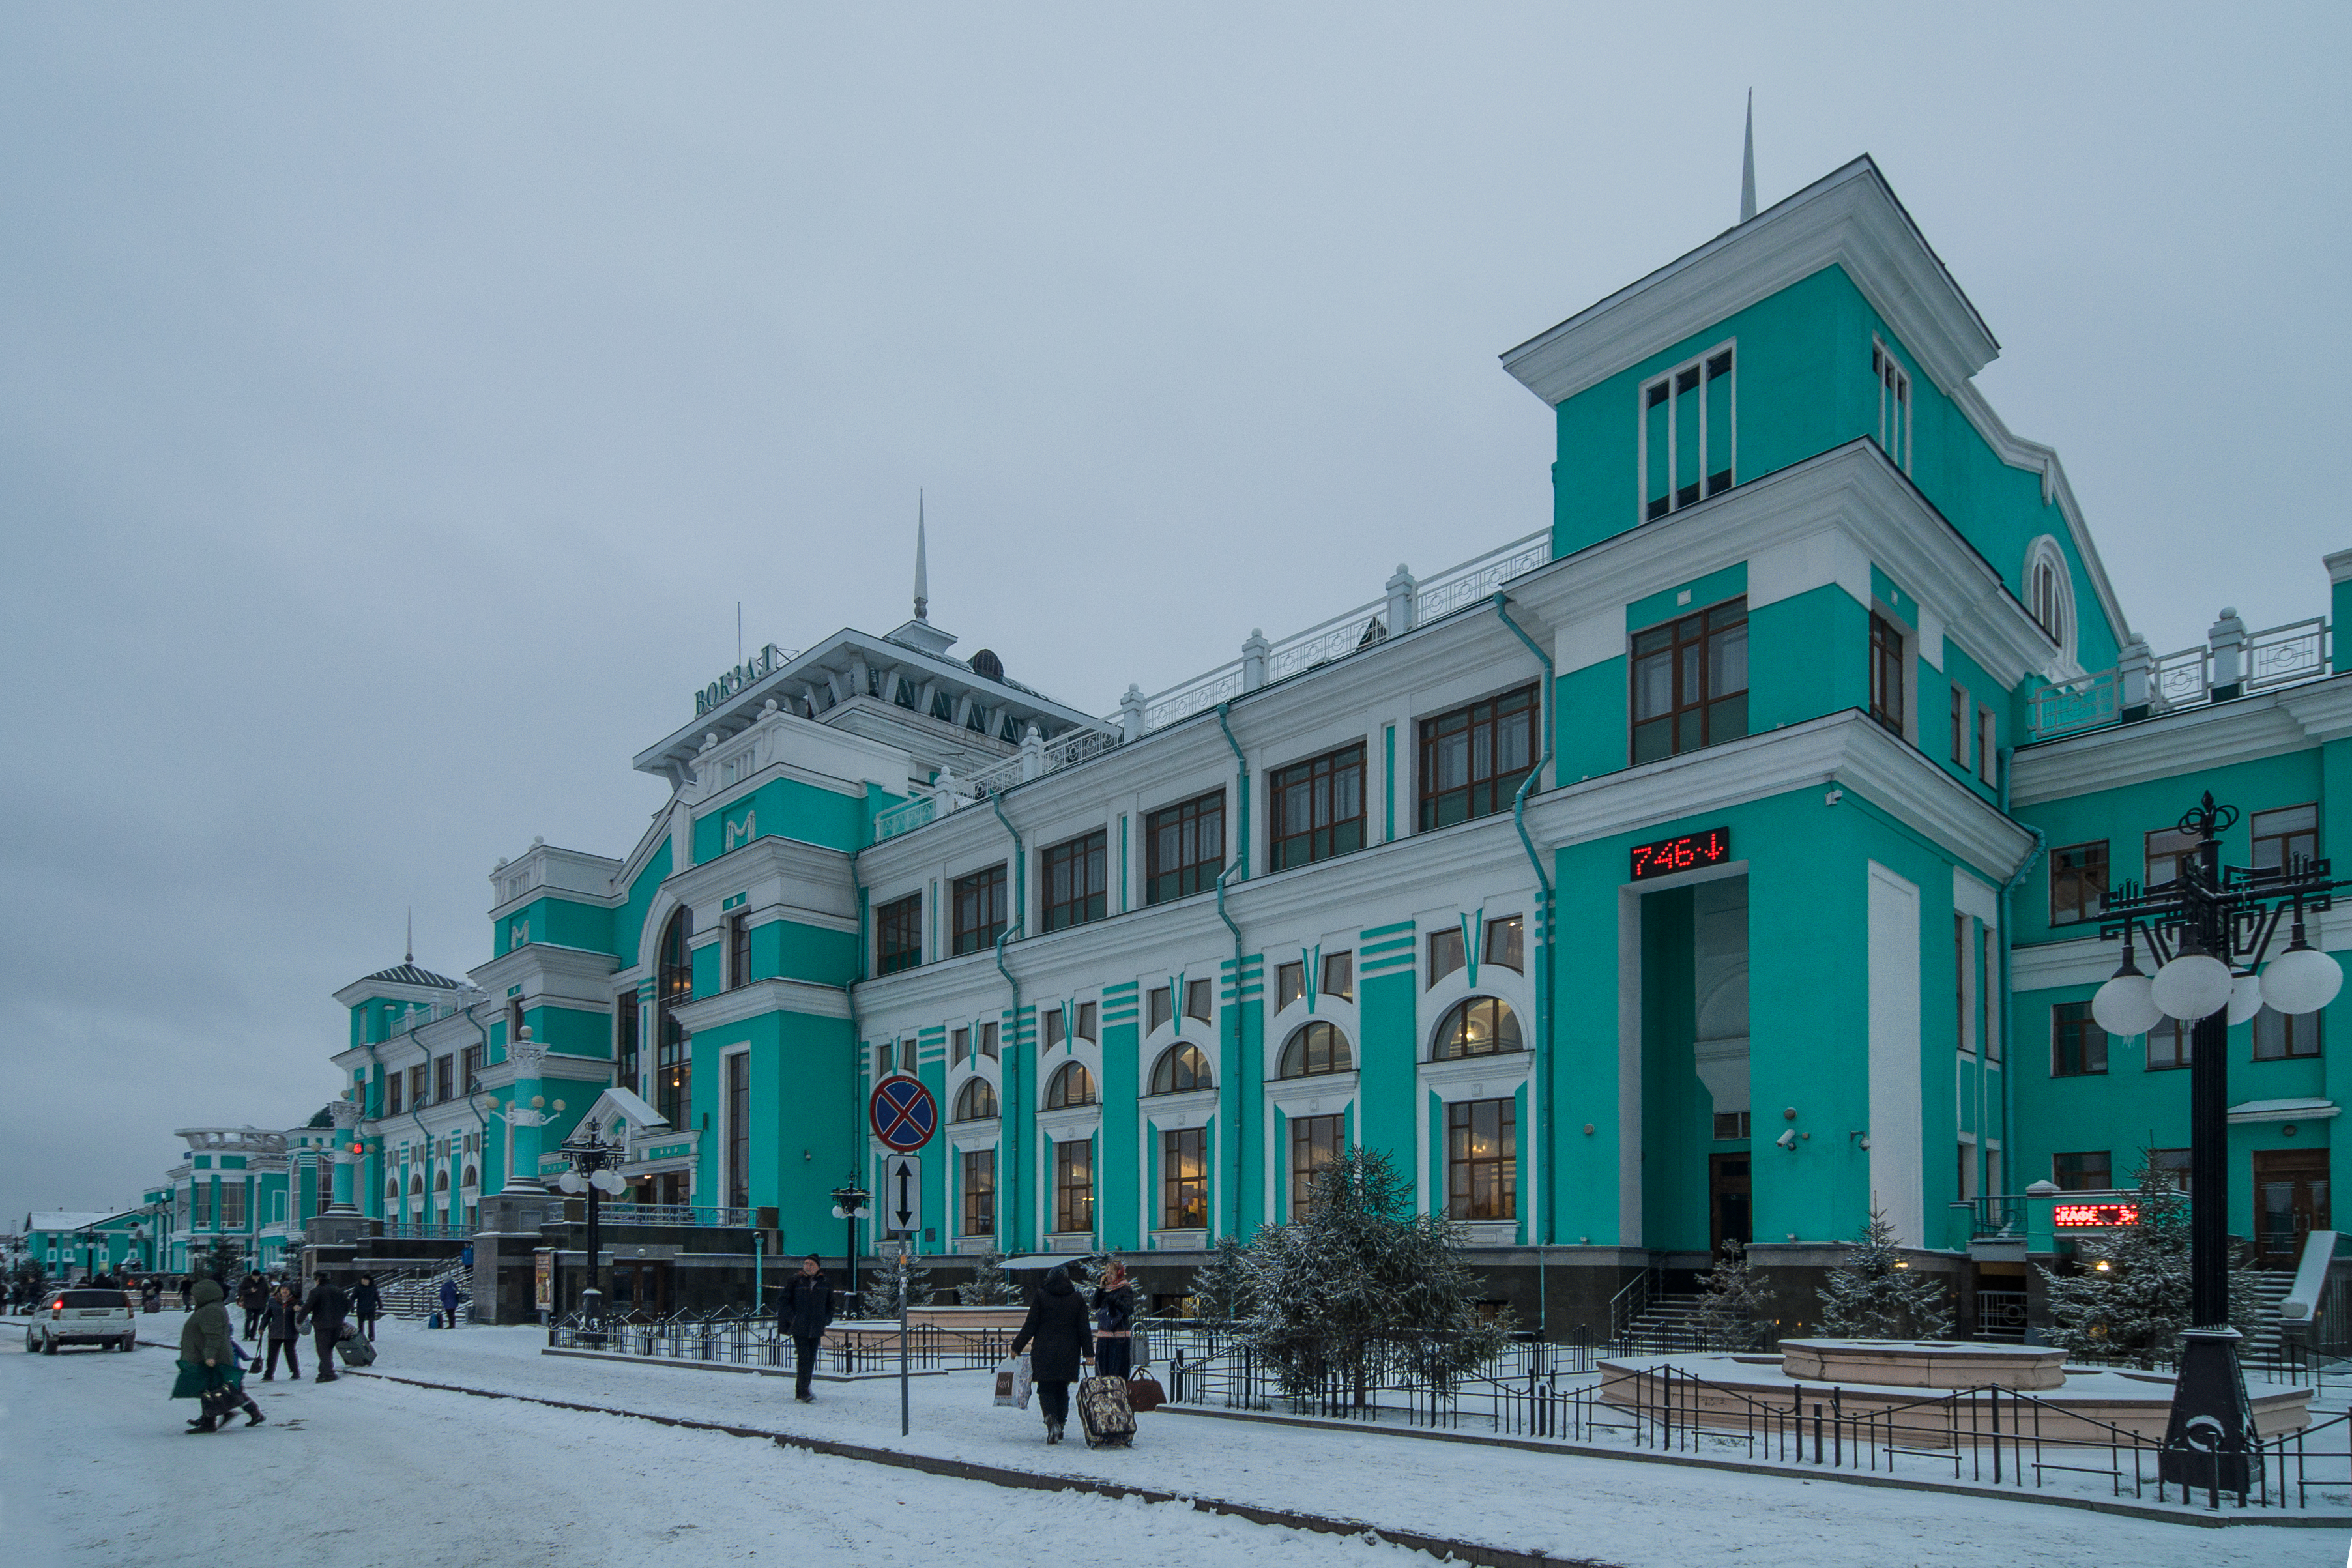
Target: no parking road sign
[[904, 1114]]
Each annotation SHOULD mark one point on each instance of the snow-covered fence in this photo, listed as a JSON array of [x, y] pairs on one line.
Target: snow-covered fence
[[736, 1338]]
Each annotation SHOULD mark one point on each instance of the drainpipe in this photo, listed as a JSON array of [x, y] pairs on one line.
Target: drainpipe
[[1240, 862], [1008, 1060], [2008, 1001], [1543, 953]]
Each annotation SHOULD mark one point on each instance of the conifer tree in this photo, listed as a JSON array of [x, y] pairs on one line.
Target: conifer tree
[[880, 1297], [223, 1259], [989, 1285], [1221, 1286], [1734, 1303], [1874, 1294], [2131, 1299]]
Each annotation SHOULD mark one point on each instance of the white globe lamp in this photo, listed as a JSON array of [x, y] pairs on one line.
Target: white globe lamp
[[2194, 985], [570, 1183], [2301, 980], [2245, 998], [2124, 1005]]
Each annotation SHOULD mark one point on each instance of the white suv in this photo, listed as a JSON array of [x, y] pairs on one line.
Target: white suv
[[100, 1317]]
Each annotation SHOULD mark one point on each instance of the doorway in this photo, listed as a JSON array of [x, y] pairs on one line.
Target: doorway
[[2290, 1202], [1729, 1191], [640, 1288]]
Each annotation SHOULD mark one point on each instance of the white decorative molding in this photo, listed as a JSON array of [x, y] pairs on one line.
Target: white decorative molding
[[774, 996], [2180, 743]]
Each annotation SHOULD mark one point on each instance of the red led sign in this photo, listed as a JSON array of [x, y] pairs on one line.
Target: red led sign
[[1687, 853], [2094, 1217]]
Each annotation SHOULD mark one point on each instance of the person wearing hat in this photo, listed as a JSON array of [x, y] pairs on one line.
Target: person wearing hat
[[807, 1309], [208, 1370]]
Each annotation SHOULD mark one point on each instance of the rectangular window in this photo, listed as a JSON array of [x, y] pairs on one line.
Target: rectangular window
[[1964, 1016], [739, 951], [886, 1058], [979, 1193], [674, 1077], [1089, 1028], [1507, 943], [1991, 941], [420, 1085], [444, 1077], [1289, 983], [1686, 434], [979, 910], [1184, 1179], [1318, 808], [473, 1060], [1053, 1027], [1315, 1142], [2078, 883], [2285, 836], [2278, 1035], [1074, 1185], [2168, 849], [1474, 759], [1887, 673], [738, 1131], [1963, 728], [1988, 754], [392, 1086], [2078, 1047], [233, 1204], [1894, 405], [1160, 1007], [2085, 1172], [1197, 1000], [204, 1190], [1339, 976], [1730, 1126], [624, 1038], [1690, 682], [1482, 1159], [898, 931], [2169, 1044], [1183, 847], [958, 1044], [2168, 1166], [1077, 880], [988, 1046], [1445, 954]]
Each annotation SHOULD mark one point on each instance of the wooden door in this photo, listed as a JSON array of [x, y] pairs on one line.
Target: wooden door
[[1729, 1192], [2290, 1202]]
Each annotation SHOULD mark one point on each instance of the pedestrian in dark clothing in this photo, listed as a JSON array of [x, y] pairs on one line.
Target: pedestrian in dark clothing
[[367, 1304], [325, 1311], [282, 1318], [448, 1303], [1057, 1329], [209, 1369], [1114, 1304], [253, 1294], [806, 1312]]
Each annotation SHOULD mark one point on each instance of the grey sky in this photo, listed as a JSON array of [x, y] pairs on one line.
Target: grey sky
[[394, 402]]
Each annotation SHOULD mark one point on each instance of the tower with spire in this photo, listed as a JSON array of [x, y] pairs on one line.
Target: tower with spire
[[919, 633], [1747, 163]]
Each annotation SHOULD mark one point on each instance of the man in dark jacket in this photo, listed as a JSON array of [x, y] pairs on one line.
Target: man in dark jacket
[[252, 1296], [325, 1311], [806, 1312], [367, 1304], [283, 1319], [1057, 1329]]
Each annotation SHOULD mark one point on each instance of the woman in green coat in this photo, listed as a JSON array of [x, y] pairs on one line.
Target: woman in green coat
[[209, 1373]]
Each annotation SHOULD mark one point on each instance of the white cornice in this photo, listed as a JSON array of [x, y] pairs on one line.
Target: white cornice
[[1849, 218], [534, 964], [801, 997], [2033, 456], [2324, 708], [2212, 735]]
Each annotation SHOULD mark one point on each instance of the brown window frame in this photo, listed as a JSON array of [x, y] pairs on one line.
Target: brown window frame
[[2300, 1036], [1076, 878], [1889, 643], [626, 1039], [739, 951], [2179, 1046], [981, 908], [1511, 954], [898, 935], [1074, 1186], [1343, 966], [1175, 1072], [2104, 1164], [2165, 844], [976, 1100], [1183, 847], [1201, 1000], [737, 1085], [1464, 1165], [1963, 730], [1057, 1088], [1321, 786], [1315, 1048], [1184, 1178], [1455, 1039], [474, 1058], [1485, 737], [978, 1191], [2287, 850], [1698, 650], [2072, 899], [1316, 1144], [2078, 1047], [1160, 1007]]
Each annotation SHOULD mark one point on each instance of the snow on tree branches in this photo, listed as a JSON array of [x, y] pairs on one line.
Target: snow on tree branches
[[989, 1285], [1734, 1303], [1876, 1295], [2131, 1299], [880, 1297]]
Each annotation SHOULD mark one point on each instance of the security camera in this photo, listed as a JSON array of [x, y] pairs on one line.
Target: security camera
[[1833, 796], [1787, 1139]]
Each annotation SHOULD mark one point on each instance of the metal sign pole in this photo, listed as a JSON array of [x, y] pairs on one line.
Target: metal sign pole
[[902, 1345]]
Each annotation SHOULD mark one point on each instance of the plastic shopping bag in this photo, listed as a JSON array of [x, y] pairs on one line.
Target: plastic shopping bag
[[1013, 1382]]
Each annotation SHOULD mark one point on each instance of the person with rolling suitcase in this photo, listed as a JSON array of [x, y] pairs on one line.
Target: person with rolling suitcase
[[324, 1312], [1104, 1414], [1058, 1337]]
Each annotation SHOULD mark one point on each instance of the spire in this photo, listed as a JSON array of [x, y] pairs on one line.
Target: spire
[[408, 951], [1747, 164], [922, 566]]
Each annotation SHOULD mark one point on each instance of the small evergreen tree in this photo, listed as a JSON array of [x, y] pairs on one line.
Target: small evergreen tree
[[1734, 1303], [1876, 1295], [1360, 1289], [2134, 1308], [880, 1297], [989, 1285], [223, 1259], [1221, 1286]]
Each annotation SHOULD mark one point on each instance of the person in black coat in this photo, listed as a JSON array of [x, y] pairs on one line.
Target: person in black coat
[[806, 1311], [1114, 1304], [324, 1312], [282, 1319], [367, 1304], [1058, 1337], [253, 1296]]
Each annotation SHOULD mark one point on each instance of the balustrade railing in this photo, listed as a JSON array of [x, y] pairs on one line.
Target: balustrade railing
[[2281, 655]]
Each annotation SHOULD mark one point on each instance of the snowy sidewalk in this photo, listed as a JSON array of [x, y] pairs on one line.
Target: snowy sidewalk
[[1560, 1505]]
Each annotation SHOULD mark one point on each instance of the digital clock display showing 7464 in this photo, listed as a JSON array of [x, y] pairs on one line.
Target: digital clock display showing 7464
[[1688, 853]]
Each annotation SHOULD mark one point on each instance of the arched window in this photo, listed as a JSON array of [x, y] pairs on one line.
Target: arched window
[[673, 987], [1072, 1086], [976, 1102], [2049, 592], [1180, 1069], [392, 1188], [1317, 1048], [416, 1182], [473, 1177], [1479, 1026], [441, 1182]]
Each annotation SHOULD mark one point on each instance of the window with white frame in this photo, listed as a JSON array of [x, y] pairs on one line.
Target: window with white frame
[[1894, 404], [1687, 434], [2049, 587]]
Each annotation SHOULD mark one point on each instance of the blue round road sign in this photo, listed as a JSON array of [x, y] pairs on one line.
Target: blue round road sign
[[904, 1114]]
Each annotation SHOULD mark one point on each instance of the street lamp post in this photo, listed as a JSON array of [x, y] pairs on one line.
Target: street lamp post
[[2211, 928], [592, 1171], [849, 1202]]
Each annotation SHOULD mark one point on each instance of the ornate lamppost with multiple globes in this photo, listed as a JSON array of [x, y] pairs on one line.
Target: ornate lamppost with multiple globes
[[849, 1202], [593, 1159], [2210, 930]]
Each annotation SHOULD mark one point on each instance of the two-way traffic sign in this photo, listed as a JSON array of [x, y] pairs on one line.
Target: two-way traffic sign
[[899, 1205]]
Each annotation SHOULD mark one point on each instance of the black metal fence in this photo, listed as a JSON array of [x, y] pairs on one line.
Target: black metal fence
[[739, 1339]]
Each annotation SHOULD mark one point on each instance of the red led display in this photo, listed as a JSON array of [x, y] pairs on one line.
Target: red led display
[[1687, 853], [2094, 1217]]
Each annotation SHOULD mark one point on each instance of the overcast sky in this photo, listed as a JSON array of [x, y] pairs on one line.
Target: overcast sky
[[396, 400]]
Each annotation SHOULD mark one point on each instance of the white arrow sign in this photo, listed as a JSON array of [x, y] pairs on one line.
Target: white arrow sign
[[900, 1202]]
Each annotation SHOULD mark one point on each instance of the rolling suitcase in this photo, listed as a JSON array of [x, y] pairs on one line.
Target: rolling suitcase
[[1104, 1412], [355, 1351]]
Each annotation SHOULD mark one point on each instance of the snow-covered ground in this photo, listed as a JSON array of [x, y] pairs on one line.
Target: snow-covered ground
[[367, 1470]]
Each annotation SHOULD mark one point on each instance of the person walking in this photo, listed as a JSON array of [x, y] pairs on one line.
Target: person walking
[[806, 1314], [1057, 1328], [282, 1318], [367, 1305], [208, 1370], [253, 1294], [1114, 1304], [325, 1311], [448, 1303]]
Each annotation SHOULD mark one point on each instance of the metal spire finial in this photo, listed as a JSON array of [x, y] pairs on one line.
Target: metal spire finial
[[409, 955], [922, 566], [1747, 164]]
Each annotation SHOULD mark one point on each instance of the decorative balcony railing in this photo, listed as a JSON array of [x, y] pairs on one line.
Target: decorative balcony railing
[[2282, 656]]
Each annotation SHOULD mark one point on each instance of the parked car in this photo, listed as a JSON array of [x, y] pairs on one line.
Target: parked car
[[99, 1318]]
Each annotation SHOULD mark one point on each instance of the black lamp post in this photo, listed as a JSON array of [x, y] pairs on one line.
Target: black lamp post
[[592, 1171], [849, 1201], [2211, 927]]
